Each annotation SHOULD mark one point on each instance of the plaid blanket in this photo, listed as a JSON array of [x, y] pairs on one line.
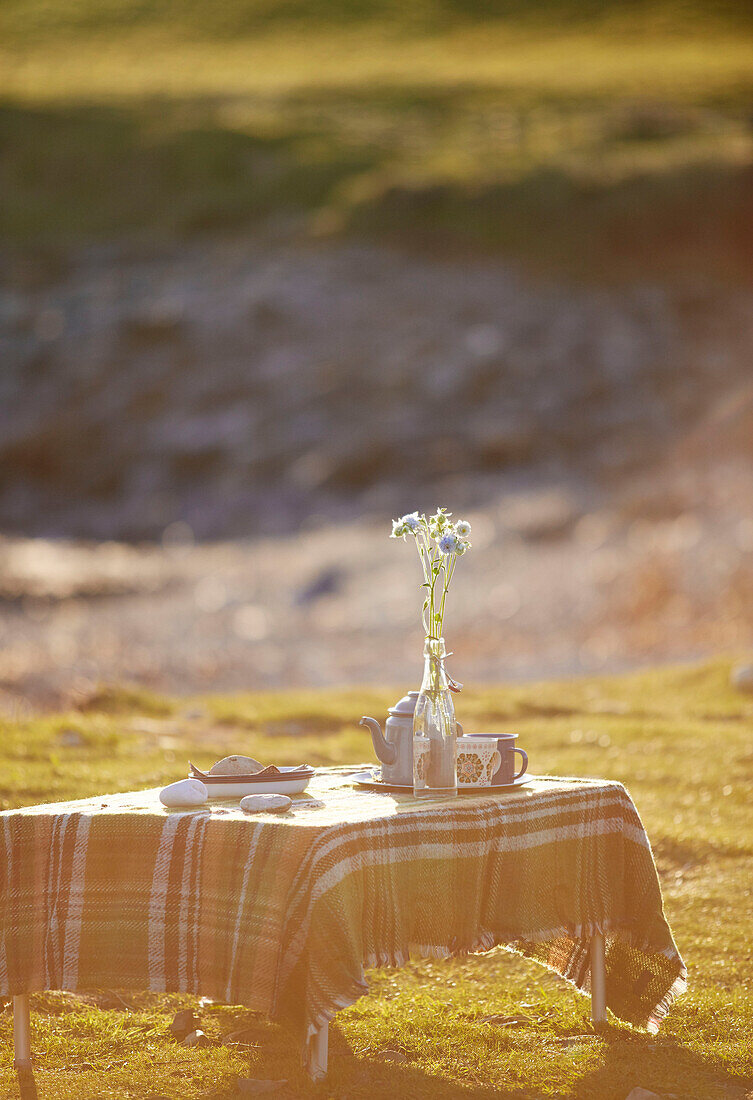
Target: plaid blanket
[[283, 913]]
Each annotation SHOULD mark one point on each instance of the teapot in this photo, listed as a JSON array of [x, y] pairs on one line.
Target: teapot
[[394, 747]]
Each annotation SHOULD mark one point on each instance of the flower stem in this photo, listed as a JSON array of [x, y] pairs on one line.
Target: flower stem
[[447, 580]]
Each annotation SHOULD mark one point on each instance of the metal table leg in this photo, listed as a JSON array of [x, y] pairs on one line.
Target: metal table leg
[[319, 1053], [21, 1031], [598, 980], [22, 1047]]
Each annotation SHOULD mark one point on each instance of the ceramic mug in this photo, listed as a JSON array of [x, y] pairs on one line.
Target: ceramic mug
[[506, 745], [478, 760], [421, 748]]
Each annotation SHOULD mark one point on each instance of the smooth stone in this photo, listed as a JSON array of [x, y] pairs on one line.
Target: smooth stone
[[197, 1039], [236, 765], [266, 803], [392, 1056], [186, 792], [184, 1022]]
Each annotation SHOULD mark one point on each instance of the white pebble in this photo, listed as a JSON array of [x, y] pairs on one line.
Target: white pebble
[[266, 803], [186, 792]]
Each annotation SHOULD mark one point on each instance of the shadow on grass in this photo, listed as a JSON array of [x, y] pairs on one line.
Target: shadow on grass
[[373, 163], [655, 1063], [684, 222], [242, 17], [79, 172], [624, 1060], [627, 1059]]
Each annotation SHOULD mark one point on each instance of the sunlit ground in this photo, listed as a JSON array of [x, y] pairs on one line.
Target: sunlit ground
[[679, 739]]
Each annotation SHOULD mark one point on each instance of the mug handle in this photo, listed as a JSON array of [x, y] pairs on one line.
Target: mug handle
[[523, 770]]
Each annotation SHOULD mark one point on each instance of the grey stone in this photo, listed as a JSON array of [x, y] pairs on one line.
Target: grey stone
[[265, 803], [325, 583], [184, 1023], [197, 1039], [396, 1056]]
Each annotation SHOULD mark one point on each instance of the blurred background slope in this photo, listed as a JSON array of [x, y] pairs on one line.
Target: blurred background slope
[[271, 273]]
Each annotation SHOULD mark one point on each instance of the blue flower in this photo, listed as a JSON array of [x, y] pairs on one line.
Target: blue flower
[[447, 543]]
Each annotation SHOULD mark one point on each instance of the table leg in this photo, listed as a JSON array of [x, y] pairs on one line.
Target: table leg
[[21, 1031], [598, 980], [22, 1047], [319, 1053]]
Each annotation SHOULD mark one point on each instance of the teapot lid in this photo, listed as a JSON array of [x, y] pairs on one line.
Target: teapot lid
[[404, 706]]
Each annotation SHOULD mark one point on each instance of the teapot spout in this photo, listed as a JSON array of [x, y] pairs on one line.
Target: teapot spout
[[386, 752]]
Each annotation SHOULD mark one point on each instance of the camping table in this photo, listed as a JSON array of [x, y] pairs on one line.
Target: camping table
[[282, 913]]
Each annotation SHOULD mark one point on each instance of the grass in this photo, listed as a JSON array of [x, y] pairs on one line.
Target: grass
[[446, 129], [680, 739]]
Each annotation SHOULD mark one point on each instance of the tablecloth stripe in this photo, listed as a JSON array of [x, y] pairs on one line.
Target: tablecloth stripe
[[75, 912]]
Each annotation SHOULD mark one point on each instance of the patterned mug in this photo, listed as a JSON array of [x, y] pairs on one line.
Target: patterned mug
[[505, 742], [478, 760]]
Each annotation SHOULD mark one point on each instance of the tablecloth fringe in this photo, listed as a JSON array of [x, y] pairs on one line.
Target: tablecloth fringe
[[679, 987]]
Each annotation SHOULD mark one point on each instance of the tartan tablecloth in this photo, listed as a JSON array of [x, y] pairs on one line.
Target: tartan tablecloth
[[282, 913]]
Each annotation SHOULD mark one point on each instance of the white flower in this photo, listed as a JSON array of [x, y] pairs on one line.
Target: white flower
[[447, 543], [462, 547], [439, 522], [412, 521], [399, 530], [463, 528]]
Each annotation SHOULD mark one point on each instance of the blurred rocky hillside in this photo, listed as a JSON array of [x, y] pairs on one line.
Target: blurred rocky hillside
[[207, 444], [243, 389]]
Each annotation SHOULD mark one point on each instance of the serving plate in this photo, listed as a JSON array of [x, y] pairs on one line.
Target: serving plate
[[272, 780], [371, 780]]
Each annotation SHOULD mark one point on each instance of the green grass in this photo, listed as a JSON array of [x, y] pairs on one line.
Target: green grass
[[445, 129], [680, 739]]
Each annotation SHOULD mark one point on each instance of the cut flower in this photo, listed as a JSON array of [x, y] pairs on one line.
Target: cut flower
[[439, 543]]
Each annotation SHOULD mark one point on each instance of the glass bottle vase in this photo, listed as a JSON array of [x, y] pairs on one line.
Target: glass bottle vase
[[434, 729]]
